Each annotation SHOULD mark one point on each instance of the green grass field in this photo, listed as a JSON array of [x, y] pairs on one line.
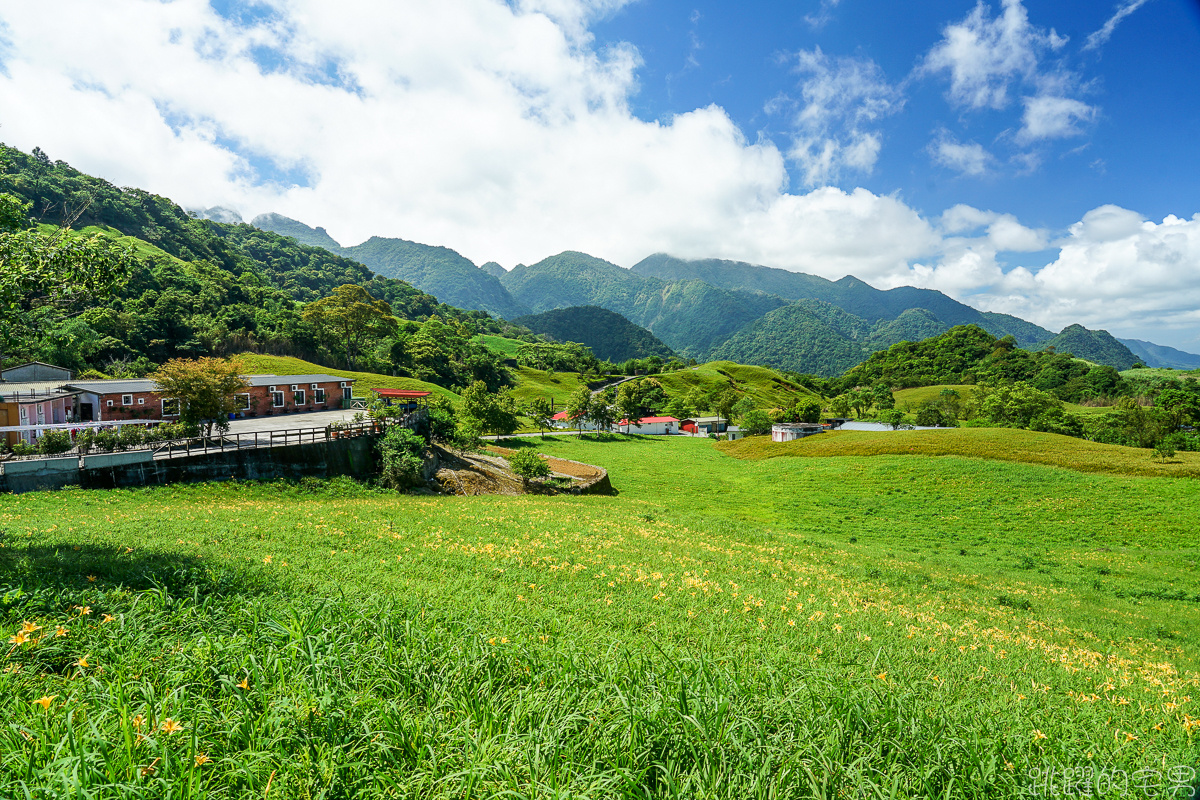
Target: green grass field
[[918, 396], [499, 344], [534, 383], [845, 626], [768, 388]]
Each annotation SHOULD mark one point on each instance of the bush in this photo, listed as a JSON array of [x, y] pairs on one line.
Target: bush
[[22, 449], [528, 465], [932, 415], [54, 441], [1055, 420], [400, 458], [130, 436], [756, 422], [895, 418]]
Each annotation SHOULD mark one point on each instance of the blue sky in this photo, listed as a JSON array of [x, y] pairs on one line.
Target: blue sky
[[1024, 157], [1143, 81]]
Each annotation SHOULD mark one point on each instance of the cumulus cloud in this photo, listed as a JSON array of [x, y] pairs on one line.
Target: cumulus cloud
[[499, 129], [988, 60], [967, 158], [835, 122]]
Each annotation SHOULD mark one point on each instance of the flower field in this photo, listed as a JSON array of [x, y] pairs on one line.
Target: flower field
[[843, 626]]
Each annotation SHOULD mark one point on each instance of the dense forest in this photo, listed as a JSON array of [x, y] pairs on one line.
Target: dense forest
[[607, 333], [199, 287]]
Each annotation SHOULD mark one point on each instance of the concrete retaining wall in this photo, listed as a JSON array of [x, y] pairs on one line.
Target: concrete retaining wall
[[352, 456], [40, 473]]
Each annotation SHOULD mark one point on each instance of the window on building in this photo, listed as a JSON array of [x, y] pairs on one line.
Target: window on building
[[126, 399], [298, 397], [318, 395], [277, 399], [141, 401], [108, 403], [170, 407], [242, 401]]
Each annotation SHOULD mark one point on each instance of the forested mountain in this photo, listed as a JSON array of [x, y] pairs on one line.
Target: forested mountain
[[1098, 346], [848, 293], [444, 273], [691, 317], [198, 287], [610, 336], [810, 336], [1157, 355], [284, 226], [969, 354]]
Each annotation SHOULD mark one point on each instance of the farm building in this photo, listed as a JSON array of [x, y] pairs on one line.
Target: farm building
[[25, 405], [563, 422], [34, 372], [108, 400], [650, 425], [787, 432], [704, 425]]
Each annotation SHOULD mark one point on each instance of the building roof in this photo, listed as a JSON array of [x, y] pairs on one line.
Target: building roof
[[120, 386], [279, 380], [402, 393], [34, 364], [649, 420], [33, 392]]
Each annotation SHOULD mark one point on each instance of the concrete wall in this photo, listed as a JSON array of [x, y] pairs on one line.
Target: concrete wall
[[39, 473], [354, 457]]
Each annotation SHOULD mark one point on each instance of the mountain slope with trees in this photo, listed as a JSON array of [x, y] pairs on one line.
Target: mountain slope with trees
[[1098, 346], [610, 336], [1157, 355]]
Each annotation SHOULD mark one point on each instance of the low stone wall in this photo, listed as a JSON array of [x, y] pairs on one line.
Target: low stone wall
[[598, 484], [39, 474]]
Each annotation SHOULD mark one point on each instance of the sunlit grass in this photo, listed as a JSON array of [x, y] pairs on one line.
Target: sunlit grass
[[766, 387], [364, 381], [838, 626], [1002, 444]]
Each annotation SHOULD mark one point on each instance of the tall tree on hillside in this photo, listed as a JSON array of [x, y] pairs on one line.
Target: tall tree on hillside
[[579, 407], [40, 270], [204, 389], [350, 317], [541, 413]]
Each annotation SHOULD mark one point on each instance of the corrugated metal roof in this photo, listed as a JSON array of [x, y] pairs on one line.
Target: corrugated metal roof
[[280, 380], [114, 386], [32, 387]]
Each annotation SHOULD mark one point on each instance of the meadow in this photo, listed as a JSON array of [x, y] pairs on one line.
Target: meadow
[[888, 625]]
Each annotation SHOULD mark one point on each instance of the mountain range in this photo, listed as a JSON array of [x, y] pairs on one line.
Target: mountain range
[[713, 308]]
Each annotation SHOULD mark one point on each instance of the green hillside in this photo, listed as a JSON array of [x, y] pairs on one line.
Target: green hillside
[[1097, 346], [285, 226], [766, 387], [531, 384], [440, 271], [809, 336], [610, 336], [500, 344], [691, 317]]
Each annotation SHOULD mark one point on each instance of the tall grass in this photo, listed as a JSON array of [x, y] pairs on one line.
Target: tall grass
[[835, 627]]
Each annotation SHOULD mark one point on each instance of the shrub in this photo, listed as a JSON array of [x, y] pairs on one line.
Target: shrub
[[54, 441], [529, 465], [756, 422], [932, 415], [22, 449], [400, 458], [895, 418], [1055, 420]]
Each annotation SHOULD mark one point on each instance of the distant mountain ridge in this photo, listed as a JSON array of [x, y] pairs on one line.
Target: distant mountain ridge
[[714, 308], [440, 271]]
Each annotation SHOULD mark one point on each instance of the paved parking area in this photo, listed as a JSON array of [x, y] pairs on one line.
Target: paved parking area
[[280, 422]]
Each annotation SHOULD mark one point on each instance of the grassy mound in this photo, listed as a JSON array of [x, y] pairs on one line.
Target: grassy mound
[[1001, 444], [918, 396], [534, 383], [768, 388], [500, 344]]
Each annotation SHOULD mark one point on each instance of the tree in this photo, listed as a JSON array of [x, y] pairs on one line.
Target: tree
[[50, 269], [602, 415], [1181, 406], [400, 457], [204, 388], [882, 397], [840, 406], [349, 317], [893, 417], [756, 422], [528, 465], [481, 412], [724, 402], [743, 406], [579, 407], [541, 413]]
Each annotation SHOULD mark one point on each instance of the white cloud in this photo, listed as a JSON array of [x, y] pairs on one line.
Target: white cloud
[[969, 158], [836, 121], [500, 131], [1048, 117], [823, 14], [984, 55], [1099, 38]]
